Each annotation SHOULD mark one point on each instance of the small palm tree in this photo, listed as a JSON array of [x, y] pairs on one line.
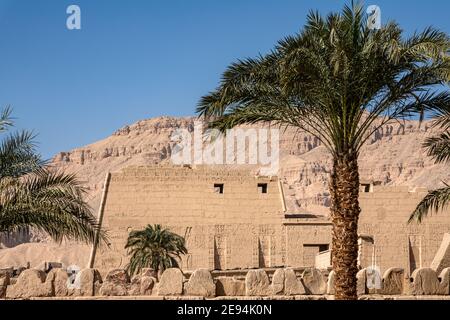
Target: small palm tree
[[339, 81], [154, 247], [34, 195], [438, 148]]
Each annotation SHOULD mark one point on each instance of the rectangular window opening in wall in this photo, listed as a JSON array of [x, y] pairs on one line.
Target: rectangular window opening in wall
[[318, 247], [218, 188], [262, 187], [365, 187]]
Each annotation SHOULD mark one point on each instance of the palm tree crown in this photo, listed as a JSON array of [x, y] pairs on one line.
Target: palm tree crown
[[339, 81], [438, 148], [154, 247], [34, 195]]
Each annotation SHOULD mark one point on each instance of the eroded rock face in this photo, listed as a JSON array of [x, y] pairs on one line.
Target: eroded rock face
[[116, 283], [30, 284], [314, 281], [425, 282], [58, 280], [393, 280], [201, 284], [171, 283], [257, 283]]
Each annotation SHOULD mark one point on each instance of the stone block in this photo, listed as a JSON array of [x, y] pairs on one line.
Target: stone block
[[292, 285], [330, 283], [278, 282], [226, 286], [171, 283], [314, 281], [393, 280], [30, 284], [257, 283], [4, 283], [425, 282], [444, 278], [201, 284], [58, 280], [361, 282], [117, 283], [135, 286], [147, 285], [88, 283]]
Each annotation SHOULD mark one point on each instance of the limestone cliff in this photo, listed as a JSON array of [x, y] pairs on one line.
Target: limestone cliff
[[393, 155]]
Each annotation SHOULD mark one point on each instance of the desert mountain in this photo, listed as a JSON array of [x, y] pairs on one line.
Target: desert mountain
[[392, 155]]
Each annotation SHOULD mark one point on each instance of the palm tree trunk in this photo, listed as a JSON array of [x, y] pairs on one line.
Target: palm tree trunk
[[344, 189]]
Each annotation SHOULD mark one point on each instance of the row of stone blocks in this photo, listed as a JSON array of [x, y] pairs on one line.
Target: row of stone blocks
[[35, 283], [422, 282]]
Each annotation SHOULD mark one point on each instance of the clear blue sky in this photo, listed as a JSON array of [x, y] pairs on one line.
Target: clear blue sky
[[138, 59]]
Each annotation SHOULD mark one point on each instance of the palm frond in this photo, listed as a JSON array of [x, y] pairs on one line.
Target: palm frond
[[434, 201], [18, 155], [5, 118], [49, 201], [154, 247], [338, 76], [438, 147]]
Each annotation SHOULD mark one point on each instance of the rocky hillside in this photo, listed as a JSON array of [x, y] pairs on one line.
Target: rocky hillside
[[393, 155]]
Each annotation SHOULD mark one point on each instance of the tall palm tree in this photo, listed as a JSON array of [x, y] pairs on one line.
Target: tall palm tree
[[438, 148], [340, 82], [34, 195], [154, 247]]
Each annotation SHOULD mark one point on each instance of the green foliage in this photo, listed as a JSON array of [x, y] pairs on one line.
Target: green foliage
[[154, 247], [434, 201], [438, 147], [34, 195], [335, 79]]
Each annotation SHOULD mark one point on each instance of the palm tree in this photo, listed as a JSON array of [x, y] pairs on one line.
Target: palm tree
[[340, 82], [154, 247], [438, 147], [34, 195]]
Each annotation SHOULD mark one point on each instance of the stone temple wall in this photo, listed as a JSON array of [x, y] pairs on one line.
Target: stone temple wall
[[384, 217], [234, 220], [230, 219]]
